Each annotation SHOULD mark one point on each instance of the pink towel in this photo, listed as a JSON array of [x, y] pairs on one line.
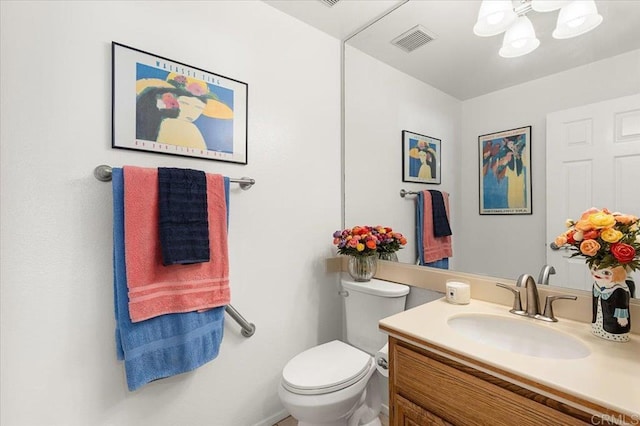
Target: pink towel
[[435, 248], [155, 289]]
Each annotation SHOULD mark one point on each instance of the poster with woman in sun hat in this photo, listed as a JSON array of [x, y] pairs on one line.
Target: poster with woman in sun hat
[[165, 106]]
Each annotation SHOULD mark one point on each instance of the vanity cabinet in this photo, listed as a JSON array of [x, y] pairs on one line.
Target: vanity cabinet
[[427, 388]]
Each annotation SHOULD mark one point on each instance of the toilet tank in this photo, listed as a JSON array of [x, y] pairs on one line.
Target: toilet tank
[[366, 303]]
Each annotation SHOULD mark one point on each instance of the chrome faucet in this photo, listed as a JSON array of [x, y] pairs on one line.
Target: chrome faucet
[[533, 300], [546, 270]]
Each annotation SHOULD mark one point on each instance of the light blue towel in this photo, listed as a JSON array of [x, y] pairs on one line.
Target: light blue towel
[[162, 346], [226, 198], [419, 225], [442, 263]]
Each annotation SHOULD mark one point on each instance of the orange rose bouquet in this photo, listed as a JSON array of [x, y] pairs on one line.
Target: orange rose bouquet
[[368, 240], [605, 239]]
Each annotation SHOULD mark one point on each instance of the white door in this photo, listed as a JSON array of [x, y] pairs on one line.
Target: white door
[[593, 160]]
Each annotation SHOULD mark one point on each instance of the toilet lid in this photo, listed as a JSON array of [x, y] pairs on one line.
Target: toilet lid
[[325, 368]]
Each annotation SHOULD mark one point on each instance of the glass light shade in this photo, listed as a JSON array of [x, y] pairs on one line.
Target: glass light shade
[[519, 39], [547, 5], [494, 17], [576, 18]]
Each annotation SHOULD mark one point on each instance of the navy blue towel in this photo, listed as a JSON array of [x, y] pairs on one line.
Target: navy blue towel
[[183, 220], [441, 226]]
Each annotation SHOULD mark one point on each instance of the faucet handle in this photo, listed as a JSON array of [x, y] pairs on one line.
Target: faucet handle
[[517, 303], [548, 307]]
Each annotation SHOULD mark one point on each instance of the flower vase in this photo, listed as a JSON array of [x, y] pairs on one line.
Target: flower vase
[[611, 294], [391, 256], [362, 268]]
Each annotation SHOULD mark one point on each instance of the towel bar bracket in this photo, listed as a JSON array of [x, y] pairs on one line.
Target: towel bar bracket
[[248, 328], [245, 182], [102, 173]]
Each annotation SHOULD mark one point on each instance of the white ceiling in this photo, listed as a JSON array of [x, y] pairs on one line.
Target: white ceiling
[[341, 20], [458, 62]]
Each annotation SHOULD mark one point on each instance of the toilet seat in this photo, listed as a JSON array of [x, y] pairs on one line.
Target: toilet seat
[[326, 368]]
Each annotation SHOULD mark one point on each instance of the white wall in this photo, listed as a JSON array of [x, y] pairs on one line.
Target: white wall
[[381, 102], [59, 362], [507, 246]]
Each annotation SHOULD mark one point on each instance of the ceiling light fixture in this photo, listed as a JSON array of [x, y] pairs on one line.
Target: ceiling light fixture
[[519, 39], [547, 5], [494, 17], [576, 17]]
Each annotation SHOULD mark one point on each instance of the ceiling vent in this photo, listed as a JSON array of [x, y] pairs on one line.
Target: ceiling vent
[[414, 38], [329, 3]]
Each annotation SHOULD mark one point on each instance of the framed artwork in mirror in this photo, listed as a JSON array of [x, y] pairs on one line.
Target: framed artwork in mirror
[[164, 106], [505, 172], [420, 158]]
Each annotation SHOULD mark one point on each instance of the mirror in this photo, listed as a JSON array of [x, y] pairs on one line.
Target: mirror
[[473, 91]]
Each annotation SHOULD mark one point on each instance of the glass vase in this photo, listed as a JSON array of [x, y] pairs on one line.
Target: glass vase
[[390, 256], [612, 289], [362, 268]]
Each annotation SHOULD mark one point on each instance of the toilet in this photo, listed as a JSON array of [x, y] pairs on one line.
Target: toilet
[[336, 383]]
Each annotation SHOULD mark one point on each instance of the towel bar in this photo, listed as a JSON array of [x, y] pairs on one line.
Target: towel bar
[[103, 174], [403, 193]]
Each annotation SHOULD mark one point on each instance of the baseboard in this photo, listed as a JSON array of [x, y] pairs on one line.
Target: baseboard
[[283, 414], [272, 420]]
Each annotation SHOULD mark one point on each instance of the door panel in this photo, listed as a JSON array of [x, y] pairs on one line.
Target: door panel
[[593, 160]]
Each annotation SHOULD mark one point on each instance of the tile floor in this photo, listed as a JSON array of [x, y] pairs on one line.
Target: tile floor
[[290, 421]]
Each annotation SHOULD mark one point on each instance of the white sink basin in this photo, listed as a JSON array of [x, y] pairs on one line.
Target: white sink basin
[[519, 335]]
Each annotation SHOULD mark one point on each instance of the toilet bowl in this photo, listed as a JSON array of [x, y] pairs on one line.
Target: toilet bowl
[[337, 383], [333, 384]]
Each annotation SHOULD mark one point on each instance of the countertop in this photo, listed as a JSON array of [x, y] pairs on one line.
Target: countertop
[[609, 376]]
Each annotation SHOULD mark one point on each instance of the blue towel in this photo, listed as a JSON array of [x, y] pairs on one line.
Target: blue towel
[[419, 225], [442, 263], [226, 197], [162, 346], [441, 226], [183, 217]]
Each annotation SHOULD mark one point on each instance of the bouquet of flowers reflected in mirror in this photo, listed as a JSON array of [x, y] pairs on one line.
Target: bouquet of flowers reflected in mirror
[[364, 245], [604, 239], [610, 244]]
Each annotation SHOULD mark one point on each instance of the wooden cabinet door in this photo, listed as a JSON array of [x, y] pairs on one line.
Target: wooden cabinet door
[[410, 414], [439, 391]]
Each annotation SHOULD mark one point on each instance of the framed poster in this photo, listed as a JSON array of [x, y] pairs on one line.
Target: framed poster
[[420, 158], [505, 172], [164, 106]]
